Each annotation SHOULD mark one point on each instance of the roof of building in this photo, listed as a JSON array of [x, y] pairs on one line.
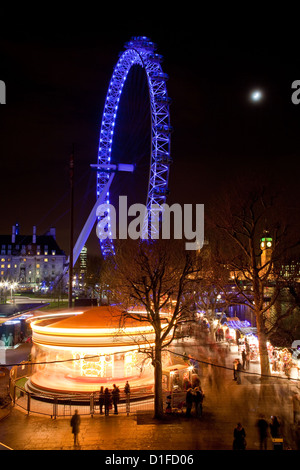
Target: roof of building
[[26, 240]]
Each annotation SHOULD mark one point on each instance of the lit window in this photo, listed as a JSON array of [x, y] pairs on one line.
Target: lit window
[[37, 266], [46, 260]]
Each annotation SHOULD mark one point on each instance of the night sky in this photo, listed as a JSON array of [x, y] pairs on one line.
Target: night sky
[[56, 83]]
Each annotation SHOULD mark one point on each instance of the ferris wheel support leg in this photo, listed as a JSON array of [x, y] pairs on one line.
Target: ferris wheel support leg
[[85, 232]]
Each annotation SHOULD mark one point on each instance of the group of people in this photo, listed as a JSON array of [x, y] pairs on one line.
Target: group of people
[[245, 365], [7, 341], [237, 368], [194, 396], [106, 400], [109, 399], [239, 434], [263, 430], [246, 359]]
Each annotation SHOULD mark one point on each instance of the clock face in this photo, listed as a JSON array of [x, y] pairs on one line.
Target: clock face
[[269, 244], [262, 244]]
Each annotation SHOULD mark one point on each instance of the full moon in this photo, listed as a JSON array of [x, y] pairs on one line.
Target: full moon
[[256, 95]]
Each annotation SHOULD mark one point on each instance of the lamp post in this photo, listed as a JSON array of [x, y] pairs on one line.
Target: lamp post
[[1, 290], [13, 286], [71, 228], [4, 286]]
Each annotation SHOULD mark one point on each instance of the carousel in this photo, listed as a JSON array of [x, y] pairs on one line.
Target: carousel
[[80, 352]]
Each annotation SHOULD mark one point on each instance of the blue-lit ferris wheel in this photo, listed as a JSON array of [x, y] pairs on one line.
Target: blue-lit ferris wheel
[[138, 51]]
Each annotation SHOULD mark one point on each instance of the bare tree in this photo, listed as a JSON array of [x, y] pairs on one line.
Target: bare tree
[[211, 287], [283, 321], [156, 276], [241, 222]]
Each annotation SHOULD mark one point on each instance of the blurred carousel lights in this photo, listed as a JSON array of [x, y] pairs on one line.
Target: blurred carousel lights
[[79, 352]]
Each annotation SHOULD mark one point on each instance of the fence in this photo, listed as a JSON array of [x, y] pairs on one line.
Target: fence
[[64, 405], [88, 404]]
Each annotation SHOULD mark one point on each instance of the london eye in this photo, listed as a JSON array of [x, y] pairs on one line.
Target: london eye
[[140, 52]]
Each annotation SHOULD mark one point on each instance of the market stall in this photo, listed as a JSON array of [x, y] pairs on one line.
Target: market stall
[[243, 335], [284, 362]]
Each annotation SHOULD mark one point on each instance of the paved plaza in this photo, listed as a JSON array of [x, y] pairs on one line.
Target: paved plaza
[[223, 407]]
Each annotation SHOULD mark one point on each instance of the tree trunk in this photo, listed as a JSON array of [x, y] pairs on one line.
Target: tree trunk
[[263, 351], [158, 396]]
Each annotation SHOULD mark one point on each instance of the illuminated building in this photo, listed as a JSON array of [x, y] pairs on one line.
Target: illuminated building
[[79, 278], [81, 352], [291, 270], [83, 261], [31, 260]]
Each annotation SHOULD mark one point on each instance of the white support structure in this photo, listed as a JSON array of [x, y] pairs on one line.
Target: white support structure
[[85, 232]]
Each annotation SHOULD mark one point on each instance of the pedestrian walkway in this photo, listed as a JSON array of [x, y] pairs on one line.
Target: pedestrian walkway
[[139, 431], [222, 409], [120, 432]]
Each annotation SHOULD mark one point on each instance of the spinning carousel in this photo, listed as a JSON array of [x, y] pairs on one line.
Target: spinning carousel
[[80, 352]]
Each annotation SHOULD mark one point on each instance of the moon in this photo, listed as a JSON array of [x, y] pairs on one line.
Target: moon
[[256, 96]]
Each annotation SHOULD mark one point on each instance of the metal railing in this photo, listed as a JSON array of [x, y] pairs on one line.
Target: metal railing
[[56, 405], [88, 404]]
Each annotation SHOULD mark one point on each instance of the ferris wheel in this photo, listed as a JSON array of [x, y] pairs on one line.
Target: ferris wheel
[[141, 52]]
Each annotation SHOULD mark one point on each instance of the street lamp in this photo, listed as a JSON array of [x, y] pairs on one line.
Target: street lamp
[[190, 369], [5, 285], [13, 286]]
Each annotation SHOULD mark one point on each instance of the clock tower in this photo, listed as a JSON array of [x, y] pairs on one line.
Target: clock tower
[[266, 246]]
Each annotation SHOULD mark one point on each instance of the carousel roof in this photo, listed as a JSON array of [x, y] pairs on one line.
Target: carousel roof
[[98, 317], [96, 327]]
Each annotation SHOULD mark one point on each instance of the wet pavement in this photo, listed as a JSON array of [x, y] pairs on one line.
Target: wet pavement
[[225, 404]]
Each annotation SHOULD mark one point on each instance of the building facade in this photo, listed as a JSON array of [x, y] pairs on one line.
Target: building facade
[[32, 260]]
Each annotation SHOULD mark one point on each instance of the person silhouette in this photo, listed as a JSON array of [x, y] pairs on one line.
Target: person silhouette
[[75, 424], [239, 437]]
